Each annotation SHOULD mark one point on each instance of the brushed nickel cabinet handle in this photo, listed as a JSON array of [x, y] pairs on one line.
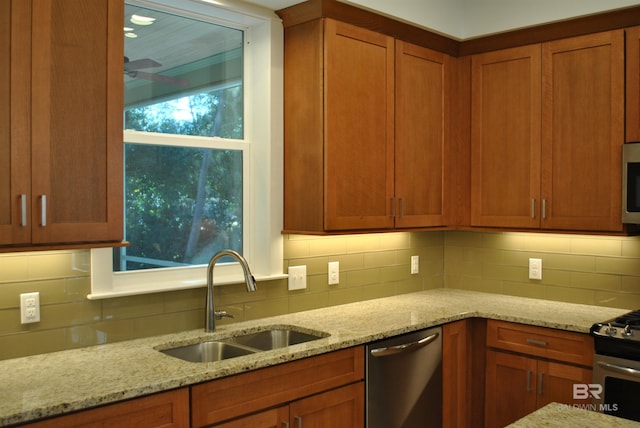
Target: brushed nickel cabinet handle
[[285, 424], [544, 209], [298, 421], [43, 210], [23, 210], [537, 342], [533, 208], [540, 379], [529, 373]]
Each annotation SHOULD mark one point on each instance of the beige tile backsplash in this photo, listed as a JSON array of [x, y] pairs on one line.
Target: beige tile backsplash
[[582, 269]]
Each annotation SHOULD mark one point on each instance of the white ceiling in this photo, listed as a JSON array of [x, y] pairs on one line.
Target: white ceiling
[[465, 19]]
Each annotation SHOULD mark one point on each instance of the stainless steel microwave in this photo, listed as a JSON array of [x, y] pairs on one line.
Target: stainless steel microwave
[[631, 183]]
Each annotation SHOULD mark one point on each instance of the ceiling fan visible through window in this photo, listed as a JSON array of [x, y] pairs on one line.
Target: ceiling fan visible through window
[[133, 70]]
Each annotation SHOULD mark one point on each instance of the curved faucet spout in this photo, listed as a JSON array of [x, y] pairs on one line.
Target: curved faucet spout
[[210, 313]]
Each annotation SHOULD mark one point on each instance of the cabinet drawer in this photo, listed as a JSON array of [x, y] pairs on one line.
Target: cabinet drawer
[[238, 395], [575, 348]]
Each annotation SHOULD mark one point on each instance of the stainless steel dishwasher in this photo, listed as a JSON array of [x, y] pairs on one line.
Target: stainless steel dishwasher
[[404, 381]]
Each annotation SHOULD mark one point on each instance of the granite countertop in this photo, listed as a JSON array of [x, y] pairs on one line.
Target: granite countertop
[[50, 384], [556, 415]]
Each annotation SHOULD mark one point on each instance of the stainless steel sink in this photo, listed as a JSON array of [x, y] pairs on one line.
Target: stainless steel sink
[[243, 344], [209, 351], [275, 338]]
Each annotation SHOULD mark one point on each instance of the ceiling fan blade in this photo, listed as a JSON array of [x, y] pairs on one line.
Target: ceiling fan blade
[[138, 64], [176, 81]]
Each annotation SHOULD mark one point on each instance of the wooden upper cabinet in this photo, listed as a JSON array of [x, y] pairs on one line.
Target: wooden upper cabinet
[[421, 128], [547, 128], [359, 127], [365, 130], [633, 84], [76, 110], [505, 137], [15, 149], [583, 132], [338, 154]]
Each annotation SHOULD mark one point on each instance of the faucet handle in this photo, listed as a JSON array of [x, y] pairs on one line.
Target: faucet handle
[[221, 314]]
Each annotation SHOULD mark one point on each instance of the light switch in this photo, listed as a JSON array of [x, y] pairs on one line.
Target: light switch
[[297, 277]]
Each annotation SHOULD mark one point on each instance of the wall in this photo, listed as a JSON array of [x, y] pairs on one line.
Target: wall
[[465, 19], [371, 266], [580, 269], [594, 270]]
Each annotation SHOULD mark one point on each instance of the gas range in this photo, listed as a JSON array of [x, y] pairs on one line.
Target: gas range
[[619, 337]]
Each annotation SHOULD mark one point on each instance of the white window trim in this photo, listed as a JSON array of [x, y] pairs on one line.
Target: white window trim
[[263, 128]]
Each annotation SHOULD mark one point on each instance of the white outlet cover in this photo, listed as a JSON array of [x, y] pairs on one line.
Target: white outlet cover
[[334, 273], [30, 307], [535, 268], [415, 265]]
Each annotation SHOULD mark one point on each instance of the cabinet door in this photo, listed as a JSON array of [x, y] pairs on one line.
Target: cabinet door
[[420, 135], [505, 138], [15, 144], [358, 128], [340, 408], [163, 410], [582, 132], [555, 382], [510, 388], [272, 418], [633, 83], [77, 85]]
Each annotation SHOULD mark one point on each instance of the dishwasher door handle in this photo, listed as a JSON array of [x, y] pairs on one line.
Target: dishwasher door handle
[[406, 347]]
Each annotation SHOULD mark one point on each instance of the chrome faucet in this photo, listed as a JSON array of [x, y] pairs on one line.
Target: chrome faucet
[[211, 315]]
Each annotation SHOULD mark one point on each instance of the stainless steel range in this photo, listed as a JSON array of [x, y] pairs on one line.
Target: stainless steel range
[[616, 367]]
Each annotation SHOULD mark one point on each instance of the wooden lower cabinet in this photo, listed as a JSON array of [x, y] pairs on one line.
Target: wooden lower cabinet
[[324, 390], [463, 366], [517, 384], [339, 408], [164, 410]]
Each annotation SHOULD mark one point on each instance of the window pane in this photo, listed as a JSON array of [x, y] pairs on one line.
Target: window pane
[[186, 72], [183, 205], [183, 76]]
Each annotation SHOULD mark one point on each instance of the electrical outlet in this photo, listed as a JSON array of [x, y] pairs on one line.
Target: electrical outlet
[[535, 268], [297, 277], [29, 307], [334, 273], [415, 265]]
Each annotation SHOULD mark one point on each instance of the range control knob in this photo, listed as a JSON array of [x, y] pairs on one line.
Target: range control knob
[[611, 331], [627, 332]]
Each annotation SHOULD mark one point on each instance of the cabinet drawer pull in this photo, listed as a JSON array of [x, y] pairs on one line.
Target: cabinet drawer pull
[[23, 210], [537, 342], [285, 424], [529, 373], [43, 210], [298, 421], [544, 209]]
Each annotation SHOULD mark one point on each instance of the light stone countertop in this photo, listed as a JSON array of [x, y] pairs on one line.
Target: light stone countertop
[[556, 415], [51, 384]]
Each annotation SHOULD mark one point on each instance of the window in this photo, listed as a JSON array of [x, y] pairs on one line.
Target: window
[[203, 146]]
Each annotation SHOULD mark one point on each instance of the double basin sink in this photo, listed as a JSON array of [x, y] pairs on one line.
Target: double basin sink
[[266, 339]]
